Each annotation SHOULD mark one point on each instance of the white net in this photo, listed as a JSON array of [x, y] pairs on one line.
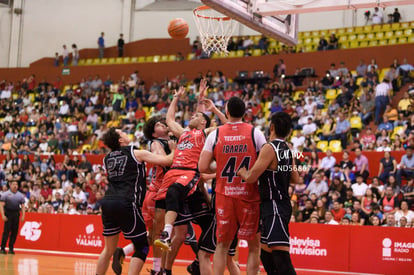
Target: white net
[[215, 29]]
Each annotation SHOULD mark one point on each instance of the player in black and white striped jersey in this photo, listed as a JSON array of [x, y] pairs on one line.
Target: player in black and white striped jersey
[[126, 191], [276, 169]]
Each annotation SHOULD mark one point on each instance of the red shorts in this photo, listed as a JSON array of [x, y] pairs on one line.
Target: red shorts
[[148, 208], [236, 216], [188, 178]]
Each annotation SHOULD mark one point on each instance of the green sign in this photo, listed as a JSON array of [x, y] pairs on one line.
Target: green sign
[[66, 71]]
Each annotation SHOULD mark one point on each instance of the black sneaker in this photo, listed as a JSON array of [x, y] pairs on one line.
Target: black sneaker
[[153, 272], [3, 251], [194, 268], [164, 242], [117, 260], [11, 251]]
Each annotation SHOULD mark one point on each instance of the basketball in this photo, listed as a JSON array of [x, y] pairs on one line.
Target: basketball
[[178, 28]]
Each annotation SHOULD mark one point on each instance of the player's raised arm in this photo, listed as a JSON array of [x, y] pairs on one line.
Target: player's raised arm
[[202, 90], [266, 156], [206, 156], [210, 106], [173, 126]]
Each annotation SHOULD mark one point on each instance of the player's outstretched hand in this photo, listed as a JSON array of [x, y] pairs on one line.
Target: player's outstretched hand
[[208, 104], [180, 92], [203, 88], [172, 144]]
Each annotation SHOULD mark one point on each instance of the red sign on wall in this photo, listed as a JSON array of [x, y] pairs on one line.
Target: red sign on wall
[[357, 249], [38, 232], [384, 250]]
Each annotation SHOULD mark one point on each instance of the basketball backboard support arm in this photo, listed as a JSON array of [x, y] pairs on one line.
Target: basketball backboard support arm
[[280, 7], [282, 28]]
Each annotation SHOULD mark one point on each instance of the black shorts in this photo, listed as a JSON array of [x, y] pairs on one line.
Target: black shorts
[[119, 215], [208, 241], [194, 208], [160, 204], [274, 224]]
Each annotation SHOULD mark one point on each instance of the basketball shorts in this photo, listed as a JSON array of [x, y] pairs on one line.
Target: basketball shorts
[[194, 208], [119, 215], [208, 240], [236, 216], [148, 208], [187, 178], [274, 224]]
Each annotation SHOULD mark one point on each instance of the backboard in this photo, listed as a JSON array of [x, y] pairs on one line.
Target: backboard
[[279, 18], [283, 28]]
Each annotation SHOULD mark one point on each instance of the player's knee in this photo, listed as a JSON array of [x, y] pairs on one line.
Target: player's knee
[[204, 254], [141, 249]]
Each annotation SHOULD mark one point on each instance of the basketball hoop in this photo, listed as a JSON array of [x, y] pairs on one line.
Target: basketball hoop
[[215, 29]]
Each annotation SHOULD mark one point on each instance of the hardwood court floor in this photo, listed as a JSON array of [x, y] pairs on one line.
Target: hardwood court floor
[[24, 263]]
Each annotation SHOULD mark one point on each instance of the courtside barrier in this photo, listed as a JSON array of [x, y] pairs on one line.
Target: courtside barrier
[[368, 249]]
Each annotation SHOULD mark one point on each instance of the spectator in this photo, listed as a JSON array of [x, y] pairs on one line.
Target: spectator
[[377, 16], [396, 16], [361, 164], [389, 203], [390, 221], [404, 104], [101, 45], [342, 129], [406, 167], [382, 98], [360, 187], [391, 114], [317, 186], [75, 55], [121, 44], [387, 167], [327, 164], [404, 70], [333, 42], [307, 211], [57, 59], [336, 173], [79, 197], [408, 191], [375, 220], [403, 222], [367, 201], [367, 138], [329, 218], [384, 147], [65, 56], [298, 141], [356, 219], [323, 44], [310, 128], [361, 69], [404, 212]]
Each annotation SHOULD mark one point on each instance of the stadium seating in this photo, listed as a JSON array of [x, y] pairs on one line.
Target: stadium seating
[[352, 37]]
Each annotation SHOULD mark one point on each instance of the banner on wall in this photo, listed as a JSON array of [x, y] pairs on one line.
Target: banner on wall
[[389, 250], [368, 249]]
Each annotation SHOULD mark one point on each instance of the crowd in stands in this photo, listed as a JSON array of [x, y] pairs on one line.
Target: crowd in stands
[[40, 118]]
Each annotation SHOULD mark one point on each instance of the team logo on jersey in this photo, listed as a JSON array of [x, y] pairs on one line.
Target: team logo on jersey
[[186, 144]]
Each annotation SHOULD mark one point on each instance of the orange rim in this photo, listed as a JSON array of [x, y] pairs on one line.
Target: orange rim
[[201, 8]]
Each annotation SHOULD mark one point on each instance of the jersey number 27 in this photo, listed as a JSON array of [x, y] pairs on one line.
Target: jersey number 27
[[116, 166]]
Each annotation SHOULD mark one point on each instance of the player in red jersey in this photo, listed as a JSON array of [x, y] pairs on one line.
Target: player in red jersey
[[232, 146], [182, 180]]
